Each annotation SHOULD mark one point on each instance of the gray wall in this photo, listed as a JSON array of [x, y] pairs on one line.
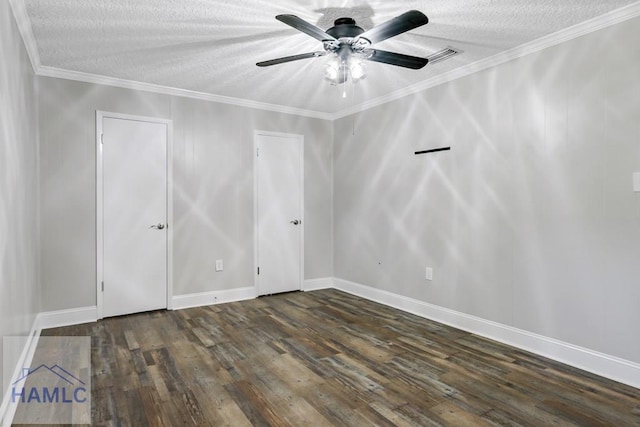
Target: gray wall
[[19, 293], [530, 220], [213, 188], [213, 206]]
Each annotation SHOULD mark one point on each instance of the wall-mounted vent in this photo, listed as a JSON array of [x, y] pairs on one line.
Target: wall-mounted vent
[[444, 54]]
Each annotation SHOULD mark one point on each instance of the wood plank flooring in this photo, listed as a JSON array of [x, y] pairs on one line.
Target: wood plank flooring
[[327, 358]]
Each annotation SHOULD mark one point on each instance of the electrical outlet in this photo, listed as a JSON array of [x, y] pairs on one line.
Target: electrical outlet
[[428, 273], [219, 265]]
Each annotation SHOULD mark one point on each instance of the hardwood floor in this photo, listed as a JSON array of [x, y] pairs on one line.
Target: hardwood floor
[[329, 358]]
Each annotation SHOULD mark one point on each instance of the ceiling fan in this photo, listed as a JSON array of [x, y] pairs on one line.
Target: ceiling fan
[[349, 44]]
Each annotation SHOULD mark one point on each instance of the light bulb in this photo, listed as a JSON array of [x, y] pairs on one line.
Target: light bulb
[[358, 70], [336, 71], [331, 71]]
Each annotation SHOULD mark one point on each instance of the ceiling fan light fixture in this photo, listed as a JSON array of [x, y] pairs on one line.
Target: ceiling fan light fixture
[[338, 71], [335, 71], [358, 69], [330, 74]]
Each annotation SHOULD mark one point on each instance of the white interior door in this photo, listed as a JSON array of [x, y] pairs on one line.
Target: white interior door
[[134, 215], [279, 207]]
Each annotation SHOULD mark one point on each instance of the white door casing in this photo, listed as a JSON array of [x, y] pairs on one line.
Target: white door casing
[[133, 213], [279, 207]]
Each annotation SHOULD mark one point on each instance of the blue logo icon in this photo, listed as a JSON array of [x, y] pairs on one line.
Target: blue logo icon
[[61, 386]]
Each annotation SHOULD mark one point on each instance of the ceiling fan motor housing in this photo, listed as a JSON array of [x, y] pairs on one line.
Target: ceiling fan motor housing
[[345, 27]]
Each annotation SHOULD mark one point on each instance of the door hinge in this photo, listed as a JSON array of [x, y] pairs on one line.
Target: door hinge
[[102, 138], [258, 271], [257, 152], [102, 286]]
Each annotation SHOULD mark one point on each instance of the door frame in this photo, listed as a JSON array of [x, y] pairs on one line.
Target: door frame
[[100, 115], [256, 257]]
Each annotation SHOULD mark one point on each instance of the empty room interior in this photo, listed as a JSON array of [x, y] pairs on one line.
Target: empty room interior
[[320, 213]]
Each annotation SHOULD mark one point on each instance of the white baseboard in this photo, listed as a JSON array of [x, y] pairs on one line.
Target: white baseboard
[[612, 367], [8, 410], [73, 316], [212, 297], [317, 284]]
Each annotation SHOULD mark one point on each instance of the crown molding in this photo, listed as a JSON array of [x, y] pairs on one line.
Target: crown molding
[[80, 76], [603, 21], [24, 26], [570, 33]]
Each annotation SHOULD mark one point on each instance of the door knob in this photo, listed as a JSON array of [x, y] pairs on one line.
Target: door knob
[[158, 226], [295, 222]]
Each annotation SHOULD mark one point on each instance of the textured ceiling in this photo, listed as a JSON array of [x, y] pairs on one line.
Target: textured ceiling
[[212, 46]]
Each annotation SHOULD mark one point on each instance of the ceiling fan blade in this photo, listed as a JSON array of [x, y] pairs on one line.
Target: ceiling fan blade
[[398, 25], [307, 28], [290, 58], [399, 59]]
